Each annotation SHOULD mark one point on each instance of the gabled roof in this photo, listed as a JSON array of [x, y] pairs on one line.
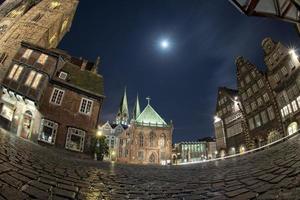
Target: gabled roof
[[150, 116]]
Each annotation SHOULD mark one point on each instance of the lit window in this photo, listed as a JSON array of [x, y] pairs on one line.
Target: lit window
[[282, 113], [298, 101], [285, 110], [13, 71], [27, 53], [64, 25], [55, 5], [86, 106], [36, 81], [30, 78], [18, 73], [264, 117], [63, 75], [271, 113], [289, 108], [257, 121], [52, 39], [57, 96], [75, 139], [48, 131], [42, 59], [294, 105], [251, 124]]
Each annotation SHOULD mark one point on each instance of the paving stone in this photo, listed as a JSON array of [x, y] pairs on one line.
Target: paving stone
[[64, 193], [34, 192]]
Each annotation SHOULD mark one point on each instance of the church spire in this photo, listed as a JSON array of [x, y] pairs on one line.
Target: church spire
[[122, 117], [136, 109]]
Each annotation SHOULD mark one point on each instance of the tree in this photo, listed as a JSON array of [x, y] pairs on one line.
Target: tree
[[99, 147]]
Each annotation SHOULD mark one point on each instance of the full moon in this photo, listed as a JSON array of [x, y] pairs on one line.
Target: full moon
[[165, 44]]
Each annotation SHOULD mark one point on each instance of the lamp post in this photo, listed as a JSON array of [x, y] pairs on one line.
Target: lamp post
[[98, 135]]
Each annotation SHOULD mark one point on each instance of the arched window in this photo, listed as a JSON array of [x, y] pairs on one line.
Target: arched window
[[162, 140], [152, 139], [152, 158], [141, 139]]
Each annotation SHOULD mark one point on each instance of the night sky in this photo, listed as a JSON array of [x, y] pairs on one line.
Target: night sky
[[205, 36]]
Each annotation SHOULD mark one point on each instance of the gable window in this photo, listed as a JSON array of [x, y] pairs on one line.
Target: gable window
[[86, 106], [27, 53], [75, 139], [57, 96], [63, 75], [48, 131], [42, 59]]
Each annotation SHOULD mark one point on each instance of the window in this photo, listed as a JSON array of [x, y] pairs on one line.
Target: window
[[86, 106], [289, 108], [162, 140], [63, 75], [13, 71], [18, 73], [251, 124], [42, 59], [244, 96], [253, 74], [247, 108], [294, 105], [264, 117], [54, 5], [30, 78], [271, 113], [285, 110], [284, 70], [3, 57], [298, 101], [52, 39], [140, 155], [126, 153], [257, 121], [27, 53], [64, 25], [260, 83], [249, 92], [152, 139], [75, 139], [33, 79], [48, 131], [7, 111], [141, 140], [253, 105], [282, 113], [36, 81], [260, 101], [37, 17], [57, 96], [276, 78], [247, 79], [266, 97], [255, 88]]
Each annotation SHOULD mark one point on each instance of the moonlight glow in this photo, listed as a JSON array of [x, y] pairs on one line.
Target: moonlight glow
[[164, 44]]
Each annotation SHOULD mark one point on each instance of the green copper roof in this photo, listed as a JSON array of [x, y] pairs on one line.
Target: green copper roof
[[150, 116]]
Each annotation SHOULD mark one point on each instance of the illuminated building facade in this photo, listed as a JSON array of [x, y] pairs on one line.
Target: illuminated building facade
[[283, 73], [40, 22], [191, 151], [259, 105], [229, 123], [148, 139], [51, 97]]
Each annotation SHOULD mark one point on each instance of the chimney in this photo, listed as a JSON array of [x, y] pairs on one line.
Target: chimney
[[83, 65]]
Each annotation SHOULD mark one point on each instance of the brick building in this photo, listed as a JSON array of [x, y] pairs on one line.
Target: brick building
[[283, 74], [40, 22], [52, 97], [229, 123], [148, 140]]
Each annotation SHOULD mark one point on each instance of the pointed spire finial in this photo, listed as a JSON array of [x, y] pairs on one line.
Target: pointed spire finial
[[148, 99]]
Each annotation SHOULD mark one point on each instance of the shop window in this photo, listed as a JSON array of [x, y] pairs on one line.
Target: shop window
[[7, 112], [48, 131], [75, 139]]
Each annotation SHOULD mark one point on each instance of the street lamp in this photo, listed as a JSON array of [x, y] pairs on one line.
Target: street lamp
[[98, 135]]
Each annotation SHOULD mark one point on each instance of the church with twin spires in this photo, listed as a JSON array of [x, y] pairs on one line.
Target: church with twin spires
[[142, 137]]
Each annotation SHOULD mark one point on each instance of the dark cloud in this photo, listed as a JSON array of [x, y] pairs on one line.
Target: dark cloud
[[207, 36]]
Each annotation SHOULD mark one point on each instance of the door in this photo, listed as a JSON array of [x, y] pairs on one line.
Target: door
[[26, 125]]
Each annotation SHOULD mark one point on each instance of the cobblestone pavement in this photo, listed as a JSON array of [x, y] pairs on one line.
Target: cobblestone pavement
[[30, 171]]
